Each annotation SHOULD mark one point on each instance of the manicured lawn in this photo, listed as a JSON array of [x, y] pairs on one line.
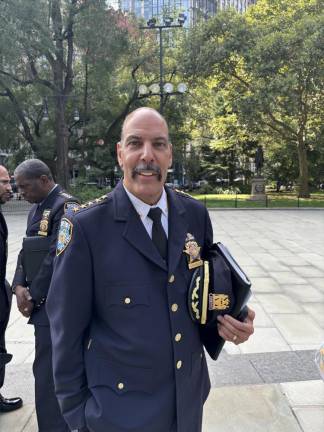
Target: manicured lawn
[[274, 200]]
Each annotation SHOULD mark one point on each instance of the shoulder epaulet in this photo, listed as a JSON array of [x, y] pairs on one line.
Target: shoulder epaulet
[[91, 203], [180, 192], [65, 194]]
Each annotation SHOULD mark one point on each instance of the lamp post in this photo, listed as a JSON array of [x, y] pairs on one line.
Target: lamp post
[[168, 23]]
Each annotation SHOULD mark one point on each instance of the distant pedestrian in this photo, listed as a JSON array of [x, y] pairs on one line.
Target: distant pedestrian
[[12, 404]]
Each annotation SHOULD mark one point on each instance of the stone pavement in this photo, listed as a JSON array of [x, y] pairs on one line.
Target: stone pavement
[[270, 383]]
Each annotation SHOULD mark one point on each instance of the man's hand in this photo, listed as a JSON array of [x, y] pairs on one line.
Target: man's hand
[[24, 300], [230, 329]]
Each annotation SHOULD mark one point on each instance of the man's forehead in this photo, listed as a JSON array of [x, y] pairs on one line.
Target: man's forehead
[[138, 133], [145, 121], [4, 173]]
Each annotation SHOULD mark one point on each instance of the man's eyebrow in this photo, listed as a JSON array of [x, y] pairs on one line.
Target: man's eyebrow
[[130, 137]]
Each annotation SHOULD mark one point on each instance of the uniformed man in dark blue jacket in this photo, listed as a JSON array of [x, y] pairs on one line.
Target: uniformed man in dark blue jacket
[[126, 355], [37, 186], [11, 404]]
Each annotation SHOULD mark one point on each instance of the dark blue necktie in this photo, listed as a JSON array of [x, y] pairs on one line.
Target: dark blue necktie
[[159, 237]]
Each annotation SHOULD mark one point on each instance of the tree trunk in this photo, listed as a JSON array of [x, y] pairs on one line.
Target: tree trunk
[[61, 131], [303, 168]]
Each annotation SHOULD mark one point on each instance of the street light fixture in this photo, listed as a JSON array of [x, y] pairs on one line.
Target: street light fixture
[[168, 88], [45, 117], [152, 25]]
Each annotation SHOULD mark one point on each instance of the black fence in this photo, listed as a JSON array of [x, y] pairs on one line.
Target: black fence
[[270, 201]]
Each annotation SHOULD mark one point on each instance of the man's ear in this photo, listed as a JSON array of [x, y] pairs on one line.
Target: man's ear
[[119, 151], [44, 179]]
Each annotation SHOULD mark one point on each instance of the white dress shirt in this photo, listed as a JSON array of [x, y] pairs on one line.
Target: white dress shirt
[[142, 209]]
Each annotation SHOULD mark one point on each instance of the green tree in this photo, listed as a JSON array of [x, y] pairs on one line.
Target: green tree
[[40, 55], [269, 65]]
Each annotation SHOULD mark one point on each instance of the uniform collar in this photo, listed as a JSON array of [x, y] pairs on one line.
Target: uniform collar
[[142, 208], [42, 202]]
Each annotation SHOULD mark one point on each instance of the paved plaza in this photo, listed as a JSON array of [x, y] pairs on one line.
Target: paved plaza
[[268, 384]]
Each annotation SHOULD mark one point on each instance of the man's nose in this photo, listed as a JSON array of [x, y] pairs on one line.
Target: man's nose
[[9, 188], [147, 152]]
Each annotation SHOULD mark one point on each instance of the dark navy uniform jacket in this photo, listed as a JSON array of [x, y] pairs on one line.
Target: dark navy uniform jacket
[[55, 202], [5, 293], [126, 355]]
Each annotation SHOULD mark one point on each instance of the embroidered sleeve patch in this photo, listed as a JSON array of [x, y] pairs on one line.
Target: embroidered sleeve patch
[[71, 206], [64, 235]]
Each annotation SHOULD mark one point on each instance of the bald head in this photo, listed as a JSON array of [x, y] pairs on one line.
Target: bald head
[[140, 113]]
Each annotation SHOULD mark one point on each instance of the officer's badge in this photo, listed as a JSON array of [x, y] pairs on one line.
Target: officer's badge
[[193, 251], [71, 207], [43, 225], [64, 235]]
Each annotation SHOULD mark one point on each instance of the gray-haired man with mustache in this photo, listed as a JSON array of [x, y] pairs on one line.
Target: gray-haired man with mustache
[[127, 356]]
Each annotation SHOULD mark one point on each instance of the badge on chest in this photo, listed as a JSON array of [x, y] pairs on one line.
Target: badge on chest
[[43, 225]]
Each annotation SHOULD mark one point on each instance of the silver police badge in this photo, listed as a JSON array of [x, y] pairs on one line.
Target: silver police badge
[[64, 235]]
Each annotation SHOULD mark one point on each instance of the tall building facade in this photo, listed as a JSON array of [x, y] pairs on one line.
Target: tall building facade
[[193, 9]]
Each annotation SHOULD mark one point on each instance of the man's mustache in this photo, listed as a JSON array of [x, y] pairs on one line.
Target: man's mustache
[[142, 167]]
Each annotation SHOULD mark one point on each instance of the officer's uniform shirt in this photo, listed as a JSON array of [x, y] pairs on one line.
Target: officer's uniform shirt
[[142, 209]]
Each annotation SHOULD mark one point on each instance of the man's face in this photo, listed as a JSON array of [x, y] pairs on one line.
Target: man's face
[[32, 190], [145, 154], [5, 186]]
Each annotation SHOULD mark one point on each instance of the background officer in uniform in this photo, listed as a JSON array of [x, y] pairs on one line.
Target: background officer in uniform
[[5, 292], [35, 182], [126, 354]]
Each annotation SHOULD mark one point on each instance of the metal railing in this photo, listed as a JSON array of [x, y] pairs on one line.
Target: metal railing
[[269, 202], [16, 205]]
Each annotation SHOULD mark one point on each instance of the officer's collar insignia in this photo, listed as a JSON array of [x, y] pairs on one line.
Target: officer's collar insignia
[[193, 252], [71, 206], [64, 235], [43, 225]]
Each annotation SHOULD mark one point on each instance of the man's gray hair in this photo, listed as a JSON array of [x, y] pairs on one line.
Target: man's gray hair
[[33, 169]]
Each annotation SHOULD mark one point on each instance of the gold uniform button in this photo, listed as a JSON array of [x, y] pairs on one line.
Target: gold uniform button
[[178, 337], [120, 386], [174, 307], [171, 279], [179, 364], [127, 300]]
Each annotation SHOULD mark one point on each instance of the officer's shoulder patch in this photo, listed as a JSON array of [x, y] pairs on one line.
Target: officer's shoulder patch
[[185, 194], [71, 207], [64, 235]]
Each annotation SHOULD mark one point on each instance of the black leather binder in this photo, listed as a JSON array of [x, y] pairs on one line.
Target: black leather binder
[[34, 251], [5, 358], [241, 286]]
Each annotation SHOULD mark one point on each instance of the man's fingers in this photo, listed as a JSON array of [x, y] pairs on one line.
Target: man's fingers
[[228, 335]]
